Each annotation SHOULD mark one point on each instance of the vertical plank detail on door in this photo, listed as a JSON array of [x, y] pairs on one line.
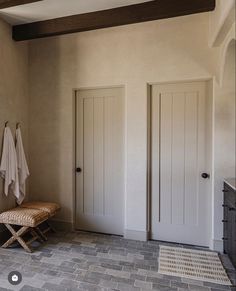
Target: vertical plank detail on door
[[166, 157], [178, 156], [191, 159], [88, 156], [98, 156], [108, 149], [100, 152], [178, 152]]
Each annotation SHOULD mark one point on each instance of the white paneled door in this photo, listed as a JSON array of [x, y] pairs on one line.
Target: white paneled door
[[178, 162], [100, 160]]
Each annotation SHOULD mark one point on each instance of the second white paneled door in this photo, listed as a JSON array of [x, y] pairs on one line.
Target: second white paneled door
[[100, 160], [180, 210]]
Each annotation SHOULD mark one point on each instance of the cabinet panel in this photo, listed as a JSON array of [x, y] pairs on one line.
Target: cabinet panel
[[233, 237], [226, 227], [229, 222]]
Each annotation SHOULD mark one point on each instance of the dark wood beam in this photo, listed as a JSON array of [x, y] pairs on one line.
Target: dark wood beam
[[10, 3], [147, 11]]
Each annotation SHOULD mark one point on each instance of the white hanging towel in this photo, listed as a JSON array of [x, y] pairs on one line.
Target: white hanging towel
[[23, 170], [8, 166]]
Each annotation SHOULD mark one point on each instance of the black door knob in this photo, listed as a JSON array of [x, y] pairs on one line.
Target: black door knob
[[205, 175], [78, 170]]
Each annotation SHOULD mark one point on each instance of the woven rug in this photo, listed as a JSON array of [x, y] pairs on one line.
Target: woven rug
[[193, 264]]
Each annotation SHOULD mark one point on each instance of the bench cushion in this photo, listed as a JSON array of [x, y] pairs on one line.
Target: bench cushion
[[24, 217], [49, 207]]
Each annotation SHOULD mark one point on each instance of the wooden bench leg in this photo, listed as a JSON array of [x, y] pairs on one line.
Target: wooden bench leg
[[16, 236], [42, 231], [38, 230], [35, 235], [50, 227]]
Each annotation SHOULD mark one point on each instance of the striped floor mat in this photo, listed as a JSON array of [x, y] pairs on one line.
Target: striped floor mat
[[193, 264]]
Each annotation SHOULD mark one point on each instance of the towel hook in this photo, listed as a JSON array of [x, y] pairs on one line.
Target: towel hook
[[6, 123], [17, 125]]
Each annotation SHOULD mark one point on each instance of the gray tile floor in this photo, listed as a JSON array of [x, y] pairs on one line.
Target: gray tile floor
[[85, 261]]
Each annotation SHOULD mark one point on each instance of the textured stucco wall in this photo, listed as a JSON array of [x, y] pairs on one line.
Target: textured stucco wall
[[164, 50], [224, 135], [134, 55], [13, 92]]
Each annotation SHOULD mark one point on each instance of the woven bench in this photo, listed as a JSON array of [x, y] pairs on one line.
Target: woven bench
[[50, 208], [27, 219]]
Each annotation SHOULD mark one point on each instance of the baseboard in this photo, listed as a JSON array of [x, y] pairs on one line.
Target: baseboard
[[136, 234], [217, 245], [61, 225]]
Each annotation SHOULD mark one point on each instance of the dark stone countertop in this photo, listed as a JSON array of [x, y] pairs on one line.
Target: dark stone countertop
[[231, 182]]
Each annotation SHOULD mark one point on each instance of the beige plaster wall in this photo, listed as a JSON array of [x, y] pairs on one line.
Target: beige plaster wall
[[134, 55], [13, 92], [224, 137]]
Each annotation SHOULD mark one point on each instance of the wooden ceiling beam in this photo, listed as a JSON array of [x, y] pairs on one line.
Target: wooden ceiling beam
[[11, 3], [153, 10]]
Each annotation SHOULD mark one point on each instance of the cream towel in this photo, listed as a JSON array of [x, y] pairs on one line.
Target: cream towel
[[8, 166], [23, 170]]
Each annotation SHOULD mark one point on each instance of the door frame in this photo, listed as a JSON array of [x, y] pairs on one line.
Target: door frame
[[74, 104], [210, 81]]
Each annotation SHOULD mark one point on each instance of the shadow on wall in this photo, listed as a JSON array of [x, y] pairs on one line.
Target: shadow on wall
[[226, 115], [13, 94], [51, 123], [225, 124]]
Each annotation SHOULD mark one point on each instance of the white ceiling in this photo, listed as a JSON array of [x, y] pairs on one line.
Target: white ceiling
[[49, 9]]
